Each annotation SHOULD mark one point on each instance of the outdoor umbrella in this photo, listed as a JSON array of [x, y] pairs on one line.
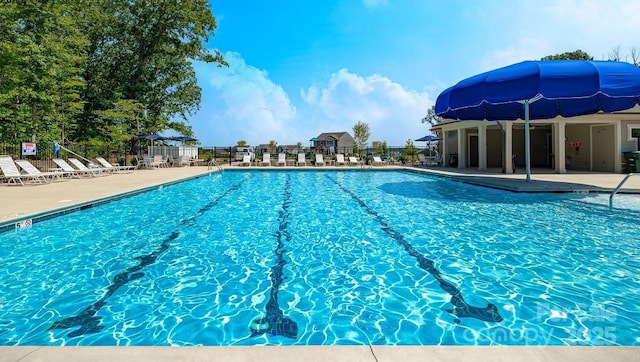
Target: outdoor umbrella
[[153, 137], [314, 139], [183, 139], [541, 90], [429, 138]]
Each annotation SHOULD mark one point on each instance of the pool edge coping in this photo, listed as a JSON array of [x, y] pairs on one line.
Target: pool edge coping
[[322, 353]]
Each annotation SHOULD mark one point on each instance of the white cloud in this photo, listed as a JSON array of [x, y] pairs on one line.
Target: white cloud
[[527, 49], [392, 112], [536, 29], [240, 102]]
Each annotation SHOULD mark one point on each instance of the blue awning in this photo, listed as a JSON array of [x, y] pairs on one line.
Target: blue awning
[[552, 88]]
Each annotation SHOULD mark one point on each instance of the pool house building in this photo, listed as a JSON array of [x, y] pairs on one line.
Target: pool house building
[[595, 143]]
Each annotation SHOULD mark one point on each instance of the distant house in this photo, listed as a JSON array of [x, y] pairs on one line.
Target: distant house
[[289, 149], [261, 148], [333, 142]]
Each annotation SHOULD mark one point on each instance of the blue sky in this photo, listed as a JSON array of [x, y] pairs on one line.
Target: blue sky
[[300, 68]]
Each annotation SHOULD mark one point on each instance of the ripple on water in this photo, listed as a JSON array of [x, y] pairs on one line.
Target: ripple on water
[[560, 269]]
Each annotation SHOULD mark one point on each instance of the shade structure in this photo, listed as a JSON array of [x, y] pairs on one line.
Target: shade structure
[[153, 137], [429, 138], [183, 139], [534, 90]]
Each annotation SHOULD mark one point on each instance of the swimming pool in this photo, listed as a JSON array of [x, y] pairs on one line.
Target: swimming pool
[[326, 258]]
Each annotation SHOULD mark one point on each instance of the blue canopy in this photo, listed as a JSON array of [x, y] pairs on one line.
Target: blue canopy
[[152, 137], [542, 90], [183, 139], [429, 138], [552, 87]]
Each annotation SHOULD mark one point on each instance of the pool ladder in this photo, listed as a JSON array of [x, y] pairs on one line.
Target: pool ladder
[[213, 164], [618, 189]]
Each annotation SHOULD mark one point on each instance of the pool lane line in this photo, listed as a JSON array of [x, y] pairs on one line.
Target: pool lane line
[[275, 322], [87, 319], [461, 308]]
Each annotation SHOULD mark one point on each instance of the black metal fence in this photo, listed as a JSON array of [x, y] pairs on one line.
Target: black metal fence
[[222, 155]]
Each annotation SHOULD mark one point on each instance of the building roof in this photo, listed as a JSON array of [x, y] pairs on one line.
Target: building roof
[[325, 135]]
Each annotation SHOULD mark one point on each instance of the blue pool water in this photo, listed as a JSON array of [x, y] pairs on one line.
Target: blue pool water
[[327, 258]]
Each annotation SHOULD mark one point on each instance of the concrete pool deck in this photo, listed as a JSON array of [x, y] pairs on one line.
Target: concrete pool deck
[[18, 203]]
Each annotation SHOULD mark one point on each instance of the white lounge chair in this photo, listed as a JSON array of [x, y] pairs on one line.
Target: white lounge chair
[[301, 159], [64, 166], [421, 159], [31, 170], [353, 161], [266, 159], [109, 167], [93, 171], [340, 160], [377, 161], [246, 160], [282, 159], [12, 175], [319, 159]]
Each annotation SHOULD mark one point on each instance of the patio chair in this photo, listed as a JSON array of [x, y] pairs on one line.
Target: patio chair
[[340, 160], [184, 161], [282, 159], [246, 160], [301, 159], [12, 175], [145, 162], [421, 159], [319, 159], [93, 171], [353, 161], [158, 161], [377, 161], [117, 168], [70, 171], [434, 161], [31, 170], [266, 159]]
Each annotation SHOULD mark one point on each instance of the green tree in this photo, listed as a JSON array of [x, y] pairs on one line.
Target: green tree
[[117, 123], [43, 53], [241, 143], [410, 151], [67, 66], [431, 117], [361, 136], [384, 148], [272, 146], [574, 55], [142, 50], [377, 146]]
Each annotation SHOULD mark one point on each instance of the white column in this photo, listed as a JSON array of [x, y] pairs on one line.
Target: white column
[[617, 168], [442, 148], [558, 147], [508, 149], [482, 147], [461, 149]]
